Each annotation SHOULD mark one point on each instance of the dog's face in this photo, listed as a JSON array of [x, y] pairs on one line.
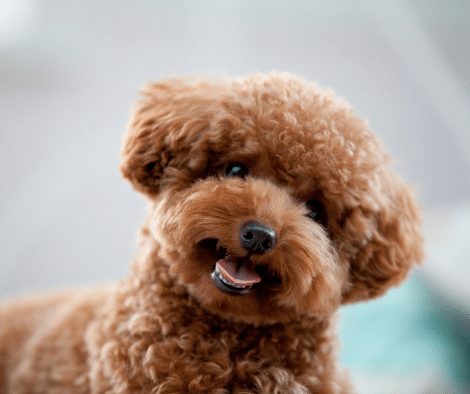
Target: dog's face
[[270, 199]]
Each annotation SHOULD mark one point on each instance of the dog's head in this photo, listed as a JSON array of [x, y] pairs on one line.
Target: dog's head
[[270, 198]]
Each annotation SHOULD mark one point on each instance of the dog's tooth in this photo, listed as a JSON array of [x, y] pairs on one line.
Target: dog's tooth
[[219, 275]]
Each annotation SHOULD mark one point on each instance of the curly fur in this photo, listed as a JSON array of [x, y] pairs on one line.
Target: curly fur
[[166, 328]]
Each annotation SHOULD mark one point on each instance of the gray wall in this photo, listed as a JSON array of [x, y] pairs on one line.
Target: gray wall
[[70, 69]]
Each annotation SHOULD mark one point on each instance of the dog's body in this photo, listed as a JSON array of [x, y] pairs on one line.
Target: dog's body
[[270, 205], [136, 342]]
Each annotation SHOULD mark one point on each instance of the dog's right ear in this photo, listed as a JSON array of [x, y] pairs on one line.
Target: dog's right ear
[[164, 130]]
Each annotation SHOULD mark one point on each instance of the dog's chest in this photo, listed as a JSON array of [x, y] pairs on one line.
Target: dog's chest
[[208, 357]]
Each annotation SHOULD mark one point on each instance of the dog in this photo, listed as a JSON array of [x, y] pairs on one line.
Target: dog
[[271, 204]]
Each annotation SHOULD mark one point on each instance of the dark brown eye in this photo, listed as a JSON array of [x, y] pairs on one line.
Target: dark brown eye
[[236, 169], [316, 211]]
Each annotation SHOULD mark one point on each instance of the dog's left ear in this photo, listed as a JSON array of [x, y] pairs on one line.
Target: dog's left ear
[[390, 220], [165, 131]]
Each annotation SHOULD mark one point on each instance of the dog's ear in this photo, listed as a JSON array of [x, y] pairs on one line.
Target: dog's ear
[[164, 130], [389, 219]]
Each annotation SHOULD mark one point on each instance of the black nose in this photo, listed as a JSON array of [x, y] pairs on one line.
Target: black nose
[[257, 238]]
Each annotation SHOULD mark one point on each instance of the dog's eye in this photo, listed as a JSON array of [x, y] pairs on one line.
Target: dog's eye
[[316, 211], [236, 169]]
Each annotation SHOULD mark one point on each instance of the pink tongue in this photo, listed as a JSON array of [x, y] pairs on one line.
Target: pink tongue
[[237, 274]]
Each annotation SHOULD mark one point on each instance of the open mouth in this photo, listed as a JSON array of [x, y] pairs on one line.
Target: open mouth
[[231, 274]]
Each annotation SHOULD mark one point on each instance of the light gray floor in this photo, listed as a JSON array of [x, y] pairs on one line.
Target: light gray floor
[[70, 69]]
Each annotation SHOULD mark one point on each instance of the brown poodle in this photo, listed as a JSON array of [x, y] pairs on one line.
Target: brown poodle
[[270, 205]]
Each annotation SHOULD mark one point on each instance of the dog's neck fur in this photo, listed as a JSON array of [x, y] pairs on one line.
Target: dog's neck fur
[[228, 353]]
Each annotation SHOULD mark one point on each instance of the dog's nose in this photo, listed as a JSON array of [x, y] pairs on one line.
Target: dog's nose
[[257, 238]]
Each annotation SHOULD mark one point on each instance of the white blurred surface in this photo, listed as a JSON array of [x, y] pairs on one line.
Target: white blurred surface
[[448, 263], [70, 70]]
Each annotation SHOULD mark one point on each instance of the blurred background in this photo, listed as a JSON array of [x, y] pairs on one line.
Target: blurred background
[[69, 71]]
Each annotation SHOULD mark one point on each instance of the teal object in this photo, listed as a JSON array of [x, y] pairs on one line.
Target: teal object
[[405, 335]]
